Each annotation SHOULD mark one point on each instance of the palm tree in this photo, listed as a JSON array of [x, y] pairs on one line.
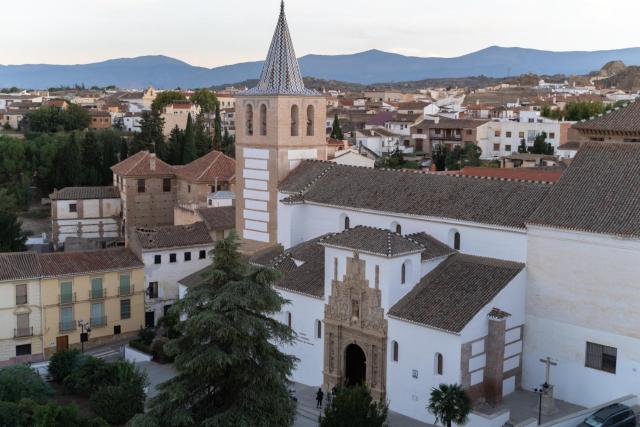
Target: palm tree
[[450, 404]]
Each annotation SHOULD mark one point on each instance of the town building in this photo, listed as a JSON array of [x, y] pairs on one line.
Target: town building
[[176, 114], [99, 119], [446, 132], [618, 125], [85, 212]]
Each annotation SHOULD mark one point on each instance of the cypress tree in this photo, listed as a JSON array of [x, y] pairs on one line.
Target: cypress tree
[[229, 369], [12, 238], [336, 130], [189, 150], [217, 130], [90, 159], [124, 149]]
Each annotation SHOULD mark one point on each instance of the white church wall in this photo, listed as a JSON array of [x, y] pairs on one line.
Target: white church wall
[[476, 239], [305, 312], [417, 348], [582, 288]]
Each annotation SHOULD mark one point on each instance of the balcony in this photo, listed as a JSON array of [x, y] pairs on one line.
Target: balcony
[[67, 326], [98, 322], [443, 137], [97, 294], [23, 332], [64, 299], [125, 291]]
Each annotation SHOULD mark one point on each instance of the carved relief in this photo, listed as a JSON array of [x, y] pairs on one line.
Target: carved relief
[[354, 315]]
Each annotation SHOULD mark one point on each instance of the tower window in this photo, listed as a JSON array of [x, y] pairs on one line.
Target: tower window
[[249, 120], [295, 121], [289, 319], [403, 274], [263, 120], [318, 329], [346, 222], [439, 362], [396, 351], [456, 241], [310, 120]]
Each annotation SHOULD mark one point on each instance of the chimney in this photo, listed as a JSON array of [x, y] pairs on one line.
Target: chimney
[[152, 161], [494, 348]]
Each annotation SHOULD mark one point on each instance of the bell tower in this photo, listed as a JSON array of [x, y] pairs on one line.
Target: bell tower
[[278, 123]]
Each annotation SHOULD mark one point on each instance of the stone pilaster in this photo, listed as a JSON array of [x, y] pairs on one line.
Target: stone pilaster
[[493, 372]]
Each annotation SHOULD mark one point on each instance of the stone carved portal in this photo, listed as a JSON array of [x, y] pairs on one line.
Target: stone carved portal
[[355, 345]]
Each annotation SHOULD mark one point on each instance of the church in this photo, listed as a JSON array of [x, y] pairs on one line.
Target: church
[[405, 280]]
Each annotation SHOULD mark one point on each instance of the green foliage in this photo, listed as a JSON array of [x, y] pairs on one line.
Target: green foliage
[[206, 99], [230, 371], [88, 375], [224, 143], [394, 160], [6, 126], [158, 350], [201, 136], [10, 414], [150, 137], [336, 130], [146, 335], [522, 148], [21, 382], [439, 157], [165, 98], [458, 158], [189, 146], [354, 407], [576, 111], [55, 119], [168, 324], [54, 415], [117, 404], [229, 144], [12, 238], [62, 364], [449, 403]]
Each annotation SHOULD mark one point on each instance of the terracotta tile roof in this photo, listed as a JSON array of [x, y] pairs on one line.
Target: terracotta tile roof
[[173, 236], [73, 263], [486, 201], [521, 174], [381, 118], [626, 119], [598, 193], [222, 218], [377, 241], [19, 266], [213, 165], [455, 291], [82, 193], [142, 164]]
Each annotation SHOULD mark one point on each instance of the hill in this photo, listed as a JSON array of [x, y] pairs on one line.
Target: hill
[[364, 68]]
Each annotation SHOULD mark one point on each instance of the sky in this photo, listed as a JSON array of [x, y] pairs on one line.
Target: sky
[[211, 33]]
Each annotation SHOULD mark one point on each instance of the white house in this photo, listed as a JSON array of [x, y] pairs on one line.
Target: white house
[[169, 254]]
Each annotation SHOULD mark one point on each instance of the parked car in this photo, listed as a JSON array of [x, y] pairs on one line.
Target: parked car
[[615, 415]]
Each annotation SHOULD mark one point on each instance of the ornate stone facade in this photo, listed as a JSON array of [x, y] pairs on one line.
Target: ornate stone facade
[[354, 316]]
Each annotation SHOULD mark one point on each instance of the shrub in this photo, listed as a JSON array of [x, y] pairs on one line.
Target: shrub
[[157, 349], [21, 382], [139, 345], [146, 335], [117, 404], [62, 363], [89, 374], [142, 420], [354, 407], [10, 414], [54, 415]]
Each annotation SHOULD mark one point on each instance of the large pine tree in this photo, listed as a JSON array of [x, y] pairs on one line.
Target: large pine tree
[[12, 238], [230, 371]]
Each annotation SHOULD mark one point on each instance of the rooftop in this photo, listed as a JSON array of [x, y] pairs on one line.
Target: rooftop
[[625, 119], [208, 168], [173, 236], [376, 241], [83, 193], [143, 163], [222, 218], [455, 291]]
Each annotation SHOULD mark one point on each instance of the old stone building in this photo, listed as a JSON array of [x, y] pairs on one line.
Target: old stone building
[[618, 125]]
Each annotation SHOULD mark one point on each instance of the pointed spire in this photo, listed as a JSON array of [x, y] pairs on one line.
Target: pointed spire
[[281, 71]]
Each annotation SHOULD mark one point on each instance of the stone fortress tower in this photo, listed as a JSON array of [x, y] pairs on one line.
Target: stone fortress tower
[[278, 123]]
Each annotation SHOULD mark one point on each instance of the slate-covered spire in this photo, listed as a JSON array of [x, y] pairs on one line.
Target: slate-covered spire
[[281, 71]]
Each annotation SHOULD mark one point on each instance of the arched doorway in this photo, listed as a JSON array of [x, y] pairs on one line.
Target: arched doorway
[[355, 365]]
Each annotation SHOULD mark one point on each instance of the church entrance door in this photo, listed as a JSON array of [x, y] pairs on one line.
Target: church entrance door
[[355, 365]]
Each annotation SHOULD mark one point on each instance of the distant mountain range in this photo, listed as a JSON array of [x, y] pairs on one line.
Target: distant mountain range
[[368, 67]]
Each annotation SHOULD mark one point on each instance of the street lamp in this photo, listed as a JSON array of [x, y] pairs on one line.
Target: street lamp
[[85, 328], [540, 392]]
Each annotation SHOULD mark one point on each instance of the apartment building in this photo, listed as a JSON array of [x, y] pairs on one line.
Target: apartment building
[[176, 114], [447, 132], [99, 119], [86, 212], [44, 298]]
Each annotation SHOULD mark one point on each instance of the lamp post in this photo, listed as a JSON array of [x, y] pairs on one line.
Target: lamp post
[[85, 328], [539, 392]]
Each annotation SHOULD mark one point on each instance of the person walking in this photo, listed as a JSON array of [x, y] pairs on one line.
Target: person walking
[[319, 397]]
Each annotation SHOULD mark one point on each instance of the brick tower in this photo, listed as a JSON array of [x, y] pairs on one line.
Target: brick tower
[[278, 123]]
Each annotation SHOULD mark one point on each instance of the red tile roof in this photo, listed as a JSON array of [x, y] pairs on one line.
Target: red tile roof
[[142, 163], [213, 165]]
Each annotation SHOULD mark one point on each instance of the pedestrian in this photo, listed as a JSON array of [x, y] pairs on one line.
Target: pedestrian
[[319, 397]]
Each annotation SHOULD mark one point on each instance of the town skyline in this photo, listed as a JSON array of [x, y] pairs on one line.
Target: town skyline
[[455, 32]]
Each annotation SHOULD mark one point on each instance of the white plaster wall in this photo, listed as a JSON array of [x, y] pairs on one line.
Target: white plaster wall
[[111, 207], [417, 347], [303, 222], [63, 209], [307, 347], [582, 287], [91, 208]]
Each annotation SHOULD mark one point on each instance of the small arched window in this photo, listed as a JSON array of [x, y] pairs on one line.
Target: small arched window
[[346, 223], [249, 120], [289, 319], [310, 120], [395, 350], [398, 229], [403, 274], [439, 362], [456, 241], [263, 120], [318, 329], [295, 122]]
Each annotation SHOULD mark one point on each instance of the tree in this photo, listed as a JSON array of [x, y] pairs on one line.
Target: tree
[[74, 117], [439, 156], [229, 368], [124, 149], [449, 404], [12, 238], [118, 123], [206, 99], [202, 142], [91, 161], [189, 147], [540, 144], [150, 136], [218, 140], [522, 148], [110, 143], [336, 130], [176, 146], [21, 382], [471, 155], [165, 98], [354, 407], [228, 144], [62, 364], [71, 158], [453, 159]]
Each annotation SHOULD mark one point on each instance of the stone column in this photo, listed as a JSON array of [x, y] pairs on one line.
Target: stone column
[[493, 371]]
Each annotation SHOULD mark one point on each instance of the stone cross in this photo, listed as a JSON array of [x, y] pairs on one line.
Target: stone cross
[[548, 364]]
